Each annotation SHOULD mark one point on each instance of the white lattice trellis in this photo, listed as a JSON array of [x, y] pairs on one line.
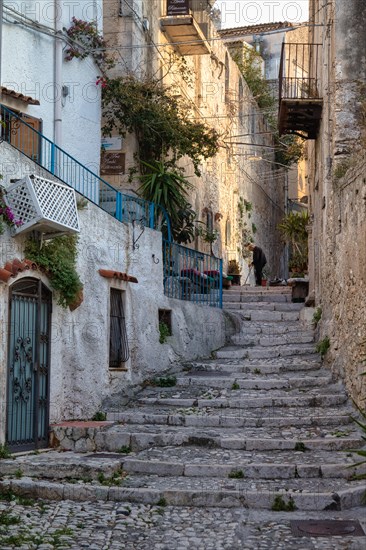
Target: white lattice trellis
[[43, 205]]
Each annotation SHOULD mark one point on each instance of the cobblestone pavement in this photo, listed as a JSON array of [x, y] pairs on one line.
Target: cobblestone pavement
[[111, 526]]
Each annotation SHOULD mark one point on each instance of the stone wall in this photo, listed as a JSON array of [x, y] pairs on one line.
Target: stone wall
[[80, 376], [344, 280], [337, 260]]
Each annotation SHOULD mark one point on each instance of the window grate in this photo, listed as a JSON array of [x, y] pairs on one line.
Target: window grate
[[119, 351]]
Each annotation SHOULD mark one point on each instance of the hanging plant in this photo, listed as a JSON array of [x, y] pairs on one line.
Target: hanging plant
[[7, 217], [162, 123], [86, 40], [57, 257]]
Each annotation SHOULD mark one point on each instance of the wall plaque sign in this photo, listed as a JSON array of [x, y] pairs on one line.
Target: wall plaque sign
[[112, 163], [177, 7]]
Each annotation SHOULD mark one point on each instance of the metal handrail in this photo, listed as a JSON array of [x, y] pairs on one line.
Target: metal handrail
[[54, 159], [192, 275]]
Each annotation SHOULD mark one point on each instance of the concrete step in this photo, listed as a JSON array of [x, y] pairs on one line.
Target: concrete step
[[297, 494], [263, 352]]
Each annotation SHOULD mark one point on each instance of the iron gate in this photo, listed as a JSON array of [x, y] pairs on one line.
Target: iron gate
[[28, 365]]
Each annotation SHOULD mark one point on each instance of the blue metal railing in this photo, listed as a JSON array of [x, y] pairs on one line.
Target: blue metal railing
[[125, 208], [192, 275]]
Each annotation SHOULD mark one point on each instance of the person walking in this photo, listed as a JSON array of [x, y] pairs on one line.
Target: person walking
[[259, 261]]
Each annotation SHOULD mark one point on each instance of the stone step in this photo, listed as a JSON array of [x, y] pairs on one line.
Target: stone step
[[256, 298], [226, 381], [243, 403], [251, 439], [265, 471], [245, 340], [265, 316], [269, 352], [244, 367], [253, 328], [189, 462], [297, 494], [336, 420], [262, 307]]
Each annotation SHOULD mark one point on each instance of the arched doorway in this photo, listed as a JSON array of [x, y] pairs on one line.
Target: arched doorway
[[30, 306]]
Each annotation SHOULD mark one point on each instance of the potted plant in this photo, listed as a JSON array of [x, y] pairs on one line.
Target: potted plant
[[234, 271], [265, 275]]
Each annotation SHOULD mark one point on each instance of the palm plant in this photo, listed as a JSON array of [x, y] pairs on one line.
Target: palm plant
[[294, 231]]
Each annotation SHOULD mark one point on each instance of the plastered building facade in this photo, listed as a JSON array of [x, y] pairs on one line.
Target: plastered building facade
[[138, 33]]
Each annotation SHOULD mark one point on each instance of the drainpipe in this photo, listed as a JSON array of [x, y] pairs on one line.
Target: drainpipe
[[57, 129], [287, 252]]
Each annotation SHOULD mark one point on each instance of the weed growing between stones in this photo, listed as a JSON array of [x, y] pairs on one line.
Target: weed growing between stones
[[7, 519], [18, 474], [323, 346], [115, 480], [4, 451], [236, 474], [317, 316], [165, 381], [300, 446], [257, 371], [279, 505], [235, 386], [9, 496], [162, 502], [125, 450], [99, 416]]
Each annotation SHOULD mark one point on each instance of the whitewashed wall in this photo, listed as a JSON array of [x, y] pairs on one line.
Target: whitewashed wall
[[28, 66], [80, 377]]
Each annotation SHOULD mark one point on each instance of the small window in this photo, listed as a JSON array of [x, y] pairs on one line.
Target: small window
[[119, 352], [165, 316]]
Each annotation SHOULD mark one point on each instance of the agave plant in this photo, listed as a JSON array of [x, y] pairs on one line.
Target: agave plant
[[164, 185]]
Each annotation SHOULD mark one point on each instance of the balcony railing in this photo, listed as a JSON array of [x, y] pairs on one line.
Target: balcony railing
[[300, 101], [59, 163], [191, 275]]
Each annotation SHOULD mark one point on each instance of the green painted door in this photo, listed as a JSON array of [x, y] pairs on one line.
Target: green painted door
[[28, 365]]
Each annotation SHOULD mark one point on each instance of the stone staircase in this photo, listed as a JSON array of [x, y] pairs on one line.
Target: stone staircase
[[260, 425]]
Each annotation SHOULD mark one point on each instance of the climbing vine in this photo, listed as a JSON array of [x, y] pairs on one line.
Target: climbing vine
[[162, 123], [57, 257], [87, 40], [289, 149], [7, 217]]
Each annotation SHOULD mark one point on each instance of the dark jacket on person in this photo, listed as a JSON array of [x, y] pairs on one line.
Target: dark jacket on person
[[259, 258]]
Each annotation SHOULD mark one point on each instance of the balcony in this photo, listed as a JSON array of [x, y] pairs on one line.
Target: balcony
[[186, 26], [300, 103]]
